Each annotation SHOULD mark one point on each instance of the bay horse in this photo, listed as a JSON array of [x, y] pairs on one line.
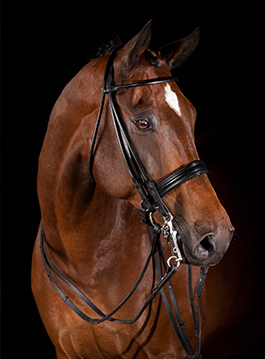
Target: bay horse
[[94, 237]]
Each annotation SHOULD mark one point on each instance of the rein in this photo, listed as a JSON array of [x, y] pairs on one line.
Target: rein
[[151, 195]]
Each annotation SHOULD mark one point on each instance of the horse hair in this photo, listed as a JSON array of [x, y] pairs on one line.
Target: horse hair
[[111, 44], [108, 46]]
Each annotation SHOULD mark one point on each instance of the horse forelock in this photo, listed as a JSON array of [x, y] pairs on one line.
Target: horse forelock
[[107, 47]]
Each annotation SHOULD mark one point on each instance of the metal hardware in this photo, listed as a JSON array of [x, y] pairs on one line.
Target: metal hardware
[[151, 219], [169, 230], [176, 260]]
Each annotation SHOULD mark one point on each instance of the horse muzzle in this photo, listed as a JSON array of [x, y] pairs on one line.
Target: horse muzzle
[[209, 249]]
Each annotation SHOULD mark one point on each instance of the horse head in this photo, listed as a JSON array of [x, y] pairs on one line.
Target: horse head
[[160, 122]]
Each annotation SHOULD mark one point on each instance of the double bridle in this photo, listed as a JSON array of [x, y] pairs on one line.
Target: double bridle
[[151, 194]]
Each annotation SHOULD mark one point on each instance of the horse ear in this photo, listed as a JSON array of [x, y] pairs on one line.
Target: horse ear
[[177, 52], [128, 56]]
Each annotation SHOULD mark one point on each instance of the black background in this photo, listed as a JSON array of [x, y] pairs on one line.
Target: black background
[[47, 43]]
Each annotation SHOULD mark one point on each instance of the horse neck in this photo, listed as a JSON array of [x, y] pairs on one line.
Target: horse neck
[[92, 222], [88, 223], [78, 217]]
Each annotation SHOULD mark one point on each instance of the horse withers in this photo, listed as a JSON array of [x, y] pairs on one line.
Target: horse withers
[[94, 236]]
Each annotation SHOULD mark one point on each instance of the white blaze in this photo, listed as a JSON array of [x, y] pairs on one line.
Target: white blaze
[[172, 99]]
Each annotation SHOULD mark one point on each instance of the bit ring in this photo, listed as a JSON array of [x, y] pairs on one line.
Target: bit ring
[[176, 260]]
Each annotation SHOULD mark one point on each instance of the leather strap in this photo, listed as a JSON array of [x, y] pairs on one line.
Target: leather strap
[[157, 252], [180, 176], [157, 80], [103, 317], [176, 320], [150, 192]]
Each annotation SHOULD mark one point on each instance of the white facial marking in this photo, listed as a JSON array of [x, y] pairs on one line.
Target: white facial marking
[[172, 99]]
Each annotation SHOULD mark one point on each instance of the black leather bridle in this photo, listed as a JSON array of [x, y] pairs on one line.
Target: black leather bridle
[[149, 191], [151, 195]]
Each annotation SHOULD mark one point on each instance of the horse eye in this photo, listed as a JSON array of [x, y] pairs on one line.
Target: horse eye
[[141, 124]]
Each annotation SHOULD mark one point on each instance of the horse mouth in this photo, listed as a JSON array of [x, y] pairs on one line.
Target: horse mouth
[[207, 250]]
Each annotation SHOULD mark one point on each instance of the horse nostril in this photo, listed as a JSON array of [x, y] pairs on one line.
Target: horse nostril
[[205, 248], [206, 243]]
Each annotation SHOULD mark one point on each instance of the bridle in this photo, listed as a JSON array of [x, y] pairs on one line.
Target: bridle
[[150, 192], [151, 195]]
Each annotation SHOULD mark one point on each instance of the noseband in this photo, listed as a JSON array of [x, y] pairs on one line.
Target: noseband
[[151, 194]]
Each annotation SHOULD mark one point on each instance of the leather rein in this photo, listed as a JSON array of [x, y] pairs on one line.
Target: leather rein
[[151, 195]]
